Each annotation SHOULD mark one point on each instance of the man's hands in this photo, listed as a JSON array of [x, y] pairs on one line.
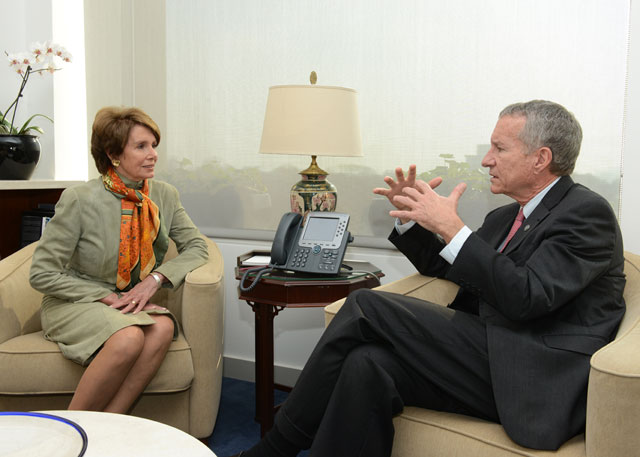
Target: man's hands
[[417, 201], [396, 188], [136, 299]]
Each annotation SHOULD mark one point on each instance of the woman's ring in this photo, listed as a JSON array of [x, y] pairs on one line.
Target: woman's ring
[[133, 302]]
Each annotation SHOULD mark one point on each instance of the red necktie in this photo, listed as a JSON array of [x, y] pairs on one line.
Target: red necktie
[[514, 228]]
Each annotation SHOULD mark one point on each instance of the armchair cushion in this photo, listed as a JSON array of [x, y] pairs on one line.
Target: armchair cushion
[[423, 432], [32, 356]]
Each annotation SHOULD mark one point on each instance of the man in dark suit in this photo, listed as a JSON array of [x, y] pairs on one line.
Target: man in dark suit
[[535, 302]]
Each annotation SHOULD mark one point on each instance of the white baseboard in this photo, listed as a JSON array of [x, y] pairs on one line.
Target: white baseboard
[[245, 370]]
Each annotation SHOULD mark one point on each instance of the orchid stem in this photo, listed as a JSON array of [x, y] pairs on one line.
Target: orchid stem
[[17, 100]]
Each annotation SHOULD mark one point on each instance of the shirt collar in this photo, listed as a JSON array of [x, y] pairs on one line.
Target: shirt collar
[[130, 183], [535, 201]]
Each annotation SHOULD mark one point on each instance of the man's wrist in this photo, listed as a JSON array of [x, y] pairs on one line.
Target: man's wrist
[[451, 250], [402, 227], [451, 231]]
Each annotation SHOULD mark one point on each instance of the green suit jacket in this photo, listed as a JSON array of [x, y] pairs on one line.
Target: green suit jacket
[[76, 263]]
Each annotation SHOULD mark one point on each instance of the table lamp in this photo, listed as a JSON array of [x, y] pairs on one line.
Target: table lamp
[[316, 121]]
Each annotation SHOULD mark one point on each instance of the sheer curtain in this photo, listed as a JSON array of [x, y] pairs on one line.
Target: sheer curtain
[[432, 77]]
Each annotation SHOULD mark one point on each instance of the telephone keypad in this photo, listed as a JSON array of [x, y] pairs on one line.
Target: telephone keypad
[[300, 256], [329, 260], [325, 259]]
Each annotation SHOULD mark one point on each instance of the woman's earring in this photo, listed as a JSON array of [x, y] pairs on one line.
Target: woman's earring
[[115, 163]]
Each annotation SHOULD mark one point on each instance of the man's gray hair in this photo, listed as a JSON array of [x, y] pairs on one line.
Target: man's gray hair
[[549, 124]]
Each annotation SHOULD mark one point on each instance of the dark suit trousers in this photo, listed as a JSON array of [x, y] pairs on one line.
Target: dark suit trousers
[[381, 352]]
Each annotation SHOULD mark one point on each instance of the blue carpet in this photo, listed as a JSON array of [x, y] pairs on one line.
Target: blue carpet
[[236, 429]]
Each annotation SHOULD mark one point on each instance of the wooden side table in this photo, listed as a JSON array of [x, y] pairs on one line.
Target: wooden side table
[[280, 290]]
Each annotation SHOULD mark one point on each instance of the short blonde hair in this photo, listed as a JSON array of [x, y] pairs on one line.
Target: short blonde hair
[[110, 132]]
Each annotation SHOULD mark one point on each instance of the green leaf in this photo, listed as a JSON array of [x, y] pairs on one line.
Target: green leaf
[[26, 128], [5, 127], [33, 127]]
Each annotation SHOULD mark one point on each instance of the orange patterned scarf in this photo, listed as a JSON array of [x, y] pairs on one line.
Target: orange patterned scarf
[[139, 227]]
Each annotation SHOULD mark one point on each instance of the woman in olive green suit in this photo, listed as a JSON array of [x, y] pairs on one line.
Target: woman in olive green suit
[[99, 262]]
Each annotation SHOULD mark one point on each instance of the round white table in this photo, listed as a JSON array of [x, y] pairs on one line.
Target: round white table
[[107, 434]]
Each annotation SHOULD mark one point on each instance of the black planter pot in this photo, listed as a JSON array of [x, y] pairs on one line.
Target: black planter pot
[[19, 155]]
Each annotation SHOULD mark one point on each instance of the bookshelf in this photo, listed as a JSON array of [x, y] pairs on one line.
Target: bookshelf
[[19, 196]]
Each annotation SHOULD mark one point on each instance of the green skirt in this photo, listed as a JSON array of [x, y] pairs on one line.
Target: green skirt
[[80, 329]]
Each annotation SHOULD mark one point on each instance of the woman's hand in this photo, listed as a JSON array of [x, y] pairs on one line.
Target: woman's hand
[[110, 299], [137, 299]]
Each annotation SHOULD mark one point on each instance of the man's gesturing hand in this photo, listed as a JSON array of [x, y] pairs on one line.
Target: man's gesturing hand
[[397, 187], [438, 214]]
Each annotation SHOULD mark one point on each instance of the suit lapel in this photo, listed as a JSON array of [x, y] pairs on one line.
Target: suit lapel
[[553, 197], [496, 225]]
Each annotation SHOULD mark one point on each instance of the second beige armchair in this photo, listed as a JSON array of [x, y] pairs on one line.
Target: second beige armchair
[[613, 403]]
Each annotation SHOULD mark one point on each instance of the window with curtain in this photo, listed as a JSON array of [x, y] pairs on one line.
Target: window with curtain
[[431, 76]]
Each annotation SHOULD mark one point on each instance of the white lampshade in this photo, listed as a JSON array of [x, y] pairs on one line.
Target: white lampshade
[[312, 120]]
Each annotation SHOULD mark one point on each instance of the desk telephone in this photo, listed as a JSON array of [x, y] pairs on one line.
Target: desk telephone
[[317, 246]]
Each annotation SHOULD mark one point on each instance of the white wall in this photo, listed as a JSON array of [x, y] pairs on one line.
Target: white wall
[[630, 215], [23, 23], [60, 96], [125, 59], [112, 47], [297, 331], [69, 93]]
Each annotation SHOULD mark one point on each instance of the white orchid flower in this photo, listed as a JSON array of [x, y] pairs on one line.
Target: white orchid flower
[[19, 62], [61, 52], [41, 59], [38, 50]]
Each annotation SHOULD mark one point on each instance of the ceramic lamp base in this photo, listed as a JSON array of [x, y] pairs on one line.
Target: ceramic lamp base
[[313, 193]]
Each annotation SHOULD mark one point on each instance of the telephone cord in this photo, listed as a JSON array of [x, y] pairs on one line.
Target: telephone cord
[[365, 272], [260, 272]]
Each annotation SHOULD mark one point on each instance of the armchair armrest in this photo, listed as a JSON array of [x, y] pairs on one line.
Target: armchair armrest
[[613, 403], [19, 303], [435, 290], [202, 319]]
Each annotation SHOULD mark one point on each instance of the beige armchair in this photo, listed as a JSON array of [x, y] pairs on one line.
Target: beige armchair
[[613, 403], [185, 393]]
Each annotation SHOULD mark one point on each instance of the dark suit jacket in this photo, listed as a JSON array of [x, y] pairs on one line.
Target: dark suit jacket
[[549, 302]]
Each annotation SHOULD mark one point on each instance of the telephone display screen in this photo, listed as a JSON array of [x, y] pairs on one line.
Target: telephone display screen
[[320, 229]]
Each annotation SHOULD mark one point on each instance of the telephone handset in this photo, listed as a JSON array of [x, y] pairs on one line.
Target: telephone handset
[[285, 234], [317, 246]]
